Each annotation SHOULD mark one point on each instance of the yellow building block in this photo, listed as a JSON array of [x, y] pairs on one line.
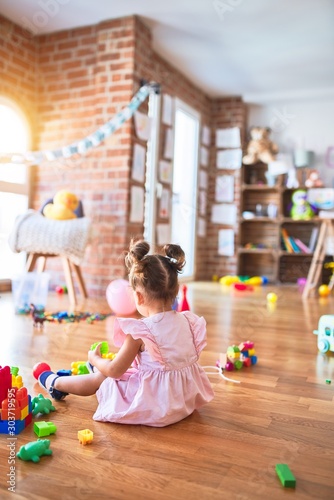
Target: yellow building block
[[85, 436], [24, 412], [17, 381]]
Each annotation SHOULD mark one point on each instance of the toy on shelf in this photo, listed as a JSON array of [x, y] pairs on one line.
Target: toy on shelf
[[16, 407], [38, 316], [44, 428], [43, 405], [85, 436], [34, 450], [62, 207], [184, 304], [325, 333], [260, 147], [313, 180], [238, 356], [301, 208]]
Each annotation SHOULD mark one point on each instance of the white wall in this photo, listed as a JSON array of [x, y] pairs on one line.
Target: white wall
[[307, 124]]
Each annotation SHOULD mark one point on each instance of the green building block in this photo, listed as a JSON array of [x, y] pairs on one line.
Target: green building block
[[104, 347], [44, 428], [286, 477]]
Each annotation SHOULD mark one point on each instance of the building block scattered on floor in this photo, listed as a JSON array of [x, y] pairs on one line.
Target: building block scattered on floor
[[285, 475], [85, 436], [44, 428]]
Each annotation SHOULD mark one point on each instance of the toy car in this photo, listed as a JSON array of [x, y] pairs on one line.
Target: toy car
[[325, 333]]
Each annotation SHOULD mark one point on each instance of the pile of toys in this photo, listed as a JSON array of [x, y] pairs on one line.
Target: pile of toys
[[40, 316], [237, 357], [16, 405]]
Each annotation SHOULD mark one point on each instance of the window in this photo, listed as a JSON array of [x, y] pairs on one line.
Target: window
[[14, 183]]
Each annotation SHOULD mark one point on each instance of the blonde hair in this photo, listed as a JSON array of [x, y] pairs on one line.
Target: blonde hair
[[157, 274]]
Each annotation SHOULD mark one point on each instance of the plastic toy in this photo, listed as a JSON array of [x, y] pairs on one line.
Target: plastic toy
[[120, 297], [79, 368], [34, 450], [324, 290], [61, 289], [285, 475], [16, 408], [238, 356], [325, 333], [301, 209], [44, 428], [260, 148], [85, 436], [184, 304], [63, 206], [40, 368], [272, 297], [37, 316], [43, 405]]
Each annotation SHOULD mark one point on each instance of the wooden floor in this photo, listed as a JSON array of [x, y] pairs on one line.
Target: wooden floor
[[281, 412]]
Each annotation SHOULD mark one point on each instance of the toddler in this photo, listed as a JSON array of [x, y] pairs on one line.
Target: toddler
[[155, 379]]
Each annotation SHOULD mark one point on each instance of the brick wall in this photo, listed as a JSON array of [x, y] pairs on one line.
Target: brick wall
[[75, 81], [18, 64]]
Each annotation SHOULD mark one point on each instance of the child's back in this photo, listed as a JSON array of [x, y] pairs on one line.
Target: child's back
[[166, 384]]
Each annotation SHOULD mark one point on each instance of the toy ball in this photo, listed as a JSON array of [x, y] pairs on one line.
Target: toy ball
[[40, 368], [324, 290], [272, 297], [120, 297]]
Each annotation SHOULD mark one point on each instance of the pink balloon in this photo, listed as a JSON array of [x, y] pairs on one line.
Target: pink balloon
[[120, 297]]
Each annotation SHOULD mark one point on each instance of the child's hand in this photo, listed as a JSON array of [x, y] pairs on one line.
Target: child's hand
[[92, 354]]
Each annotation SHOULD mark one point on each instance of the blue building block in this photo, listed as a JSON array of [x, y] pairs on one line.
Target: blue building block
[[11, 427]]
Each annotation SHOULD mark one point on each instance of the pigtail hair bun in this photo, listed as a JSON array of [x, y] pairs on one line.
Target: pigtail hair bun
[[176, 256], [137, 251]]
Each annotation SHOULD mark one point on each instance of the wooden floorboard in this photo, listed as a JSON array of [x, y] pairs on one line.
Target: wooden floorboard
[[281, 412]]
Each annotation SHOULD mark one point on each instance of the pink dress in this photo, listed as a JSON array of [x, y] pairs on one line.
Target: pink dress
[[166, 383]]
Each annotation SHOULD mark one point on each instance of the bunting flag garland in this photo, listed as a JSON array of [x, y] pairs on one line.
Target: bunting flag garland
[[91, 141]]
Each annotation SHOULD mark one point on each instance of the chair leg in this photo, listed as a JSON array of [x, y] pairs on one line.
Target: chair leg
[[69, 280], [31, 261], [81, 283]]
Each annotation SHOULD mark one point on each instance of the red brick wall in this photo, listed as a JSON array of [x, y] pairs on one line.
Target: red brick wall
[[226, 113], [75, 81], [18, 65]]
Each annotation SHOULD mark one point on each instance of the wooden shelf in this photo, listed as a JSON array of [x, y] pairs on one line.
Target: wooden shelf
[[273, 261]]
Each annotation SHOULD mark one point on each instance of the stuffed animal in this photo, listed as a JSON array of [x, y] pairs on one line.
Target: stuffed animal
[[314, 180], [260, 147], [63, 206], [301, 208]]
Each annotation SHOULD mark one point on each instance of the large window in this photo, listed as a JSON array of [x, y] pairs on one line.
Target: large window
[[14, 184]]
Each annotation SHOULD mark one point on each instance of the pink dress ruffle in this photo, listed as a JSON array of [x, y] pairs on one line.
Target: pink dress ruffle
[[166, 383]]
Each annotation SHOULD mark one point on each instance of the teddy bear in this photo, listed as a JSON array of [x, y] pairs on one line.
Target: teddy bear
[[260, 147], [62, 207], [314, 180]]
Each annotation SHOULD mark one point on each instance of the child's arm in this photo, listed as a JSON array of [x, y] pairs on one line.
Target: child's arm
[[115, 368]]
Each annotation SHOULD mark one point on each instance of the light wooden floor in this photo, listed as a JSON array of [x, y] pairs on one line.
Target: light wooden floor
[[281, 412]]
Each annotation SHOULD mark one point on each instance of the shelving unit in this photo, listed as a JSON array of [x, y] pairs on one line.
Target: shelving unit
[[264, 212]]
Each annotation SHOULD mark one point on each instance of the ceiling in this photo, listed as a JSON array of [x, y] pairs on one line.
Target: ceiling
[[264, 50]]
